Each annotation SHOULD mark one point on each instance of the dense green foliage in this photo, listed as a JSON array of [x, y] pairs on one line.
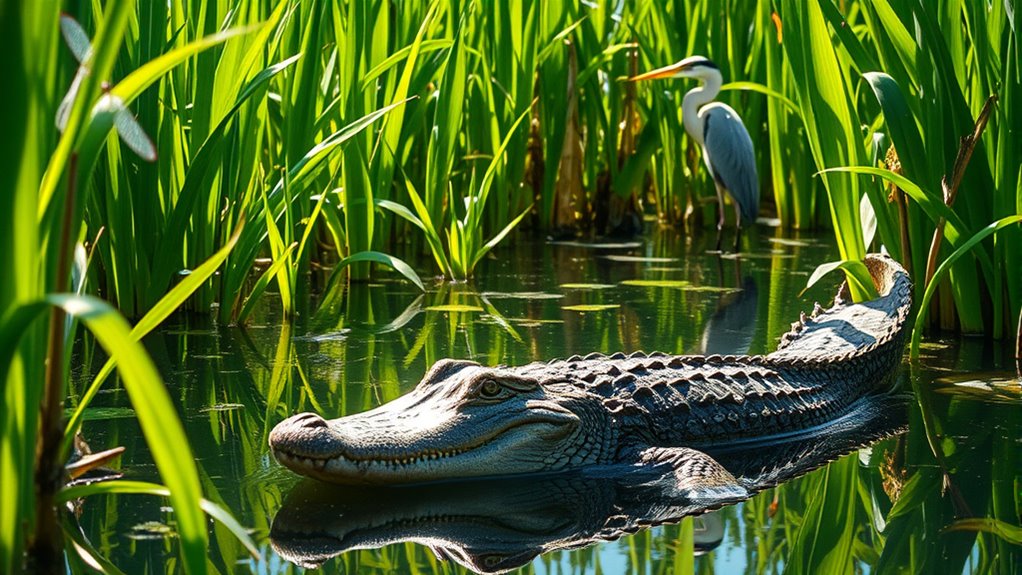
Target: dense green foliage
[[516, 113], [261, 115], [290, 134]]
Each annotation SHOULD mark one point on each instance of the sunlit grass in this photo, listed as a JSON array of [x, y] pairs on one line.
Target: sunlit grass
[[472, 73]]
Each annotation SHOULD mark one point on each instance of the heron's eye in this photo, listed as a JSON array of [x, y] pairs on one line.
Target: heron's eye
[[490, 389], [491, 561]]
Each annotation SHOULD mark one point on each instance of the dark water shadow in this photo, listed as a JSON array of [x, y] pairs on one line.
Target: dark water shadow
[[731, 329]]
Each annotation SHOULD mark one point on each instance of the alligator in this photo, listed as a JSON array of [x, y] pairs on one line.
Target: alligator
[[468, 420], [495, 525]]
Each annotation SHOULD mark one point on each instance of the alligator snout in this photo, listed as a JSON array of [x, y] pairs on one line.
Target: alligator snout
[[305, 434]]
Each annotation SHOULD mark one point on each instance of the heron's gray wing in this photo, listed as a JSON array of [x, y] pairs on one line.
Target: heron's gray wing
[[729, 154]]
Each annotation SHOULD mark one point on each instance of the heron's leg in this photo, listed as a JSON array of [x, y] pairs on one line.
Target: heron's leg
[[738, 226], [720, 212], [720, 206]]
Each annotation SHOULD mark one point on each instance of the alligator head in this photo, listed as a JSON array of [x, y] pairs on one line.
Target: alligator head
[[459, 420]]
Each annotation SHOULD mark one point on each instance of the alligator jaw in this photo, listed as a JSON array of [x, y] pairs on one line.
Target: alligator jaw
[[345, 451]]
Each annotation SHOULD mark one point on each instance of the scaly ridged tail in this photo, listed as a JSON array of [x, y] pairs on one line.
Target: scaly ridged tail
[[847, 331]]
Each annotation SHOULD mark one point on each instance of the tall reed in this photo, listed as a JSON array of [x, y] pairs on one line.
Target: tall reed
[[467, 73], [44, 279], [924, 74]]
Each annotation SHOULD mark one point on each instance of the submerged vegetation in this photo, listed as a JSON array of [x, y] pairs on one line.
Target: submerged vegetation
[[292, 136]]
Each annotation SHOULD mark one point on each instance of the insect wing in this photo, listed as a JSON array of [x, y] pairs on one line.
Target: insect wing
[[75, 37], [132, 134], [64, 110]]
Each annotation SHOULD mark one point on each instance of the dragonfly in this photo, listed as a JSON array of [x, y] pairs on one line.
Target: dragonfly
[[127, 126]]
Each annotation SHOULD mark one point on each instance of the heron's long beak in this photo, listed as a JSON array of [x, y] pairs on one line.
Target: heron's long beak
[[665, 72]]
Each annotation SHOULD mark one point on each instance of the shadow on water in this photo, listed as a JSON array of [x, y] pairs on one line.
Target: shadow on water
[[908, 503]]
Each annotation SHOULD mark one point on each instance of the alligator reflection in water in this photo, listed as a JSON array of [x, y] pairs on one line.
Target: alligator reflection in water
[[495, 525]]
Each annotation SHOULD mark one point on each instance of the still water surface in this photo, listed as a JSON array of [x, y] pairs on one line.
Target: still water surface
[[351, 351]]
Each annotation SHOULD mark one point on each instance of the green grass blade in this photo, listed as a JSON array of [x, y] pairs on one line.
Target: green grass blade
[[902, 127], [475, 210], [205, 160], [396, 264], [159, 312], [144, 76], [127, 90], [425, 47], [263, 282], [403, 212], [300, 177], [156, 416], [87, 553], [155, 410], [447, 126], [13, 324], [855, 271], [391, 133], [106, 45], [945, 266], [1008, 532], [27, 105], [312, 161], [557, 41], [860, 58], [824, 540], [280, 252], [499, 237], [933, 207], [827, 114], [429, 227], [145, 488], [761, 89]]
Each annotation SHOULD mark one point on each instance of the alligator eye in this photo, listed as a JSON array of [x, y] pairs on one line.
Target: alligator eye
[[490, 389]]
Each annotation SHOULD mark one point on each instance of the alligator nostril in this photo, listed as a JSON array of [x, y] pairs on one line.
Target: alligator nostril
[[310, 420]]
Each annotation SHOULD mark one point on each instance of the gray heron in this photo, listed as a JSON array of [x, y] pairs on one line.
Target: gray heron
[[717, 128]]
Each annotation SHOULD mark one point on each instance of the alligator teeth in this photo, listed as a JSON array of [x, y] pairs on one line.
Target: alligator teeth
[[321, 463]]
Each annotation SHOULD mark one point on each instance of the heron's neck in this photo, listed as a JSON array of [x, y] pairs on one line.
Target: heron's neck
[[695, 99]]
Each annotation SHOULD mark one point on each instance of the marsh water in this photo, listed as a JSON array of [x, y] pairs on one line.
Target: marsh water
[[887, 508]]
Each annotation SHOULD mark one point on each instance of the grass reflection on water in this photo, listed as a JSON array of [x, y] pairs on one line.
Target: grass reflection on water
[[233, 385]]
